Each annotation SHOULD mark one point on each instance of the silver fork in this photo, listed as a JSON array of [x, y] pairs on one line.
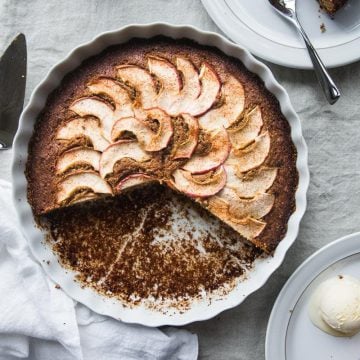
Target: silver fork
[[287, 8]]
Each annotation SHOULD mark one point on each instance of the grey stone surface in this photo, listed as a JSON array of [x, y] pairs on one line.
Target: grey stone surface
[[53, 28]]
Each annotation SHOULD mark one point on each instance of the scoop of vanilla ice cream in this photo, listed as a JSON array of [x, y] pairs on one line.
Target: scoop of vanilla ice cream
[[335, 306]]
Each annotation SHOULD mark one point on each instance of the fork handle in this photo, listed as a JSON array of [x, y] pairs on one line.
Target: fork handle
[[331, 91]]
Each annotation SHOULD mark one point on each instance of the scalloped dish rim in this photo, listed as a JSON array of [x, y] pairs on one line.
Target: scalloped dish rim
[[200, 310]]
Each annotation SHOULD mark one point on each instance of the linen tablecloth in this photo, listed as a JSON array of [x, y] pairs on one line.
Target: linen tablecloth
[[332, 134]]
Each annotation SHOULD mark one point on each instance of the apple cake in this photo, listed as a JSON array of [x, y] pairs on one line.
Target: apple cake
[[332, 6], [172, 112]]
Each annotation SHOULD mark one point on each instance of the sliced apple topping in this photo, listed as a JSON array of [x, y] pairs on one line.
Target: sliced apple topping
[[117, 92], [167, 74], [218, 206], [233, 99], [81, 197], [210, 87], [217, 154], [81, 183], [140, 80], [253, 155], [256, 207], [218, 150], [98, 108], [78, 157], [150, 140], [83, 127], [133, 180], [191, 88], [200, 186], [170, 81], [248, 185], [186, 149], [165, 129], [137, 127], [120, 150], [196, 96], [247, 130], [248, 227]]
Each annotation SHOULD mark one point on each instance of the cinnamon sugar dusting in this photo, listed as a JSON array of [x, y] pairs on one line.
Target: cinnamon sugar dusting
[[151, 246]]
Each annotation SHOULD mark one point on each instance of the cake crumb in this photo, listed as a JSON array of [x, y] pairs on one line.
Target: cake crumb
[[158, 272], [322, 27]]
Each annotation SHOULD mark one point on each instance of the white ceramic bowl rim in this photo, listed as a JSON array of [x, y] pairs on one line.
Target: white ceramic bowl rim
[[259, 38], [43, 254]]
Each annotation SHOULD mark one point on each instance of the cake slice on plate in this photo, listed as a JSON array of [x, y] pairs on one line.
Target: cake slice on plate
[[332, 6]]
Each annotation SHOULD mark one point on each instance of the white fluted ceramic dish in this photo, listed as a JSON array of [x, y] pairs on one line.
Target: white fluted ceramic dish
[[200, 310]]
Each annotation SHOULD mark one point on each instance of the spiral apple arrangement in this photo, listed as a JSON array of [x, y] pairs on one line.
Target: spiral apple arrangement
[[218, 160]]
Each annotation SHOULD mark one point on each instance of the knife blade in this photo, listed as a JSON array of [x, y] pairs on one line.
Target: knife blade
[[12, 89]]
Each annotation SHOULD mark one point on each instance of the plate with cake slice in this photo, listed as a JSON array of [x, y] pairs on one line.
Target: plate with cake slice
[[160, 179], [333, 27]]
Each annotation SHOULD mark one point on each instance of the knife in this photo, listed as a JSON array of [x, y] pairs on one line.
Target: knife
[[12, 89]]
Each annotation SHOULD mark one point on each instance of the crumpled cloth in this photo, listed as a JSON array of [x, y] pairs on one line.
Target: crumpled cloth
[[39, 321]]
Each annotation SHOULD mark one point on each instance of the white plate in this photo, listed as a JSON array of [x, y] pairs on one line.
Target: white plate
[[200, 310], [255, 25], [290, 333]]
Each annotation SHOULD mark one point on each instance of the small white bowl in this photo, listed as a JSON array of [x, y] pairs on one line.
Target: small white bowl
[[201, 310]]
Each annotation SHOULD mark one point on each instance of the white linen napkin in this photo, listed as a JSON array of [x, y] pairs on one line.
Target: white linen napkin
[[39, 321]]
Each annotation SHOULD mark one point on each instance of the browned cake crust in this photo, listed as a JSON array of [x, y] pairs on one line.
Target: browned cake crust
[[332, 6], [44, 149]]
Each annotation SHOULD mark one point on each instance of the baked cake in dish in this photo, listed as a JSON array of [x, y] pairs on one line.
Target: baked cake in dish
[[332, 6], [171, 112]]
